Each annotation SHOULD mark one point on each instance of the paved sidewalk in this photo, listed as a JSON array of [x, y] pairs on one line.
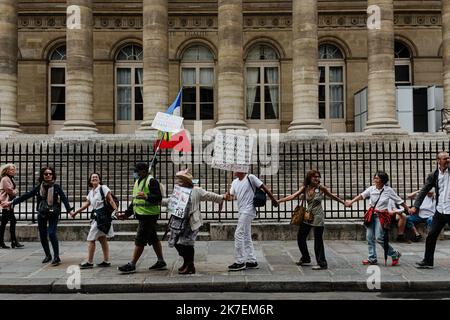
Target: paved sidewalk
[[21, 270]]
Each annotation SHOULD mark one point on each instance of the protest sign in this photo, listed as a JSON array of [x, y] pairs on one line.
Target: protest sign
[[167, 122], [178, 201], [232, 152]]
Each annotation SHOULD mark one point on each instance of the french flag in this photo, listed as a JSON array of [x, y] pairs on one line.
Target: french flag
[[180, 140]]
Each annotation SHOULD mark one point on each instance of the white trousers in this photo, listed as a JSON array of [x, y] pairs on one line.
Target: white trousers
[[243, 245]]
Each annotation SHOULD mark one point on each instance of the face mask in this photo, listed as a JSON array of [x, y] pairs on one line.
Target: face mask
[[135, 175]]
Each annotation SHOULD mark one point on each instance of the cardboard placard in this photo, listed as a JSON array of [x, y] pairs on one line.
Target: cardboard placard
[[178, 201], [232, 152], [167, 123]]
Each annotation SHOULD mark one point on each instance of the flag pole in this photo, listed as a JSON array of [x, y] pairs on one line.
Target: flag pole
[[156, 152]]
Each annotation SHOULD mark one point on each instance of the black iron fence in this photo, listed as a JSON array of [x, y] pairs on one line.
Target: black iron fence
[[346, 168]]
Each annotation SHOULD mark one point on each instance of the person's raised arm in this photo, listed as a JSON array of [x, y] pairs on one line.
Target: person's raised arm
[[111, 201], [270, 194], [155, 196], [211, 196], [81, 209], [331, 195], [64, 200], [413, 195], [293, 196], [349, 203], [429, 184], [25, 196]]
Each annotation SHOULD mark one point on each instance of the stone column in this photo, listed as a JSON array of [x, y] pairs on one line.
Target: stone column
[[8, 66], [230, 80], [305, 72], [156, 60], [80, 65], [446, 58], [381, 76]]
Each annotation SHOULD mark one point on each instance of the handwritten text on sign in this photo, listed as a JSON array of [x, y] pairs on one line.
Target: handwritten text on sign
[[167, 122], [232, 152], [178, 201]]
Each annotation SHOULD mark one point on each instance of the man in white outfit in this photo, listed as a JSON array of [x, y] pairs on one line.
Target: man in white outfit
[[243, 190]]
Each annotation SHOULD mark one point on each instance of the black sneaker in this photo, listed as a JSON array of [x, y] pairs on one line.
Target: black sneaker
[[423, 265], [417, 238], [303, 262], [319, 267], [56, 262], [86, 265], [47, 259], [251, 265], [104, 264], [159, 265], [236, 267], [127, 268]]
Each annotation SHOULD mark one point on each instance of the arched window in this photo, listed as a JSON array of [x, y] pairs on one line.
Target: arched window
[[197, 80], [57, 84], [402, 64], [329, 51], [129, 84], [331, 83], [262, 83]]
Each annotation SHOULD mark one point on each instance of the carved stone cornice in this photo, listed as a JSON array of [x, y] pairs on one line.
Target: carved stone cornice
[[209, 22], [58, 21], [206, 22]]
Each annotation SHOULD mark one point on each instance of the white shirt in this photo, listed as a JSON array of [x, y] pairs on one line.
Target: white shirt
[[383, 203], [243, 192], [95, 197], [444, 192], [392, 207], [428, 207]]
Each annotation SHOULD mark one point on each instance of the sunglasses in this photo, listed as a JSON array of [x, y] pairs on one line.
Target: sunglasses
[[48, 174]]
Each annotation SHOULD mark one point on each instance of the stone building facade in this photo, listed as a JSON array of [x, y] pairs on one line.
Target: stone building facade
[[109, 66]]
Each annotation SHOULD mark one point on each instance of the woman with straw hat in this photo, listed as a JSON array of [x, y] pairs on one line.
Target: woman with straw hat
[[184, 230]]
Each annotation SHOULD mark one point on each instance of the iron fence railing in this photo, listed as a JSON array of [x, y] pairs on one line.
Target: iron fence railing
[[346, 168]]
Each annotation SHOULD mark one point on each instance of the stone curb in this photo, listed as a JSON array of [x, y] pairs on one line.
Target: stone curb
[[195, 283]]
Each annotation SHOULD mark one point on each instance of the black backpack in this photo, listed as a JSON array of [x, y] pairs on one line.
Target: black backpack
[[260, 197]]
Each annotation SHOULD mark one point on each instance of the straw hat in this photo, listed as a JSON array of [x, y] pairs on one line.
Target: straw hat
[[184, 174]]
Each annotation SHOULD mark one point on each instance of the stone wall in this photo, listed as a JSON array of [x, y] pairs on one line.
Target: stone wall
[[341, 23]]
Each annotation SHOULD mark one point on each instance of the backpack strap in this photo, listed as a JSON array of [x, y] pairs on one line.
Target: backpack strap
[[376, 202], [102, 193], [251, 185]]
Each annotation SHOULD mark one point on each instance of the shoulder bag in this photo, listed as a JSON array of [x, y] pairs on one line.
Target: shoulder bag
[[299, 214], [369, 213]]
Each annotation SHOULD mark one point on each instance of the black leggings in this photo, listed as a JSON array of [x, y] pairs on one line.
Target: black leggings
[[319, 248], [8, 215], [187, 252]]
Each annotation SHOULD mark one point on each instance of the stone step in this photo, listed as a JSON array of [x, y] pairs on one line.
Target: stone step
[[130, 236]]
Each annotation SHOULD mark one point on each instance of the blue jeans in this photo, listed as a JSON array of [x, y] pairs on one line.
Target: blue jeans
[[376, 233], [52, 224], [414, 219]]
